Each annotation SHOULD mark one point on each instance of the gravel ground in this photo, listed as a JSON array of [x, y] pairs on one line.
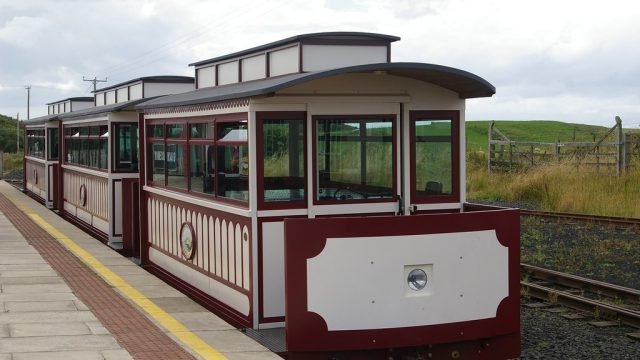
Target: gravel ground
[[606, 253]]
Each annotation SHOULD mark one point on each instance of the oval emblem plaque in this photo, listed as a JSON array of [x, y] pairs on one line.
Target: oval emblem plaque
[[187, 241]]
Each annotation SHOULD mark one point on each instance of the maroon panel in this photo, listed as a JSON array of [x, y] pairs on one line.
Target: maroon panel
[[306, 238], [55, 187], [129, 215]]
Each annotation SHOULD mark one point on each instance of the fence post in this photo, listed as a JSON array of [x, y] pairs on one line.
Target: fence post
[[492, 147], [619, 147], [556, 151]]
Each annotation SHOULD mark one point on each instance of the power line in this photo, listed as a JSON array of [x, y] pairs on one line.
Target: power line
[[94, 81]]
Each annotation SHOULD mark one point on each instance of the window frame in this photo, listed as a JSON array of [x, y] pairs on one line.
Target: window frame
[[187, 140], [87, 137], [393, 118], [454, 116], [36, 136], [115, 146], [261, 117]]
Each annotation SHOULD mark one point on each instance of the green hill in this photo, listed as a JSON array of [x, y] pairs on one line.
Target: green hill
[[532, 130], [8, 134]]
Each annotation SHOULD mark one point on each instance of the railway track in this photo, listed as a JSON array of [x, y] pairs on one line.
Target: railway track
[[606, 220], [606, 301]]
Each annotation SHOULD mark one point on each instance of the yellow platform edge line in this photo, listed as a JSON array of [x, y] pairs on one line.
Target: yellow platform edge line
[[173, 326]]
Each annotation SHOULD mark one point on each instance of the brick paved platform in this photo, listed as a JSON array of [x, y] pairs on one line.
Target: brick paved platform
[[54, 305]]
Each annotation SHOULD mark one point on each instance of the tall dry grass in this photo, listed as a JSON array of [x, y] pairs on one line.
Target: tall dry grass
[[559, 187]]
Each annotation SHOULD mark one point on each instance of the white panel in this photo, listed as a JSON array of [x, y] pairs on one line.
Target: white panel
[[68, 207], [469, 279], [156, 89], [100, 224], [238, 260], [100, 99], [224, 239], [135, 91], [231, 248], [83, 215], [273, 268], [206, 76], [232, 298], [117, 224], [228, 73], [111, 97], [285, 61], [218, 248], [253, 68], [199, 252], [123, 95], [67, 106], [79, 105], [246, 259], [323, 57]]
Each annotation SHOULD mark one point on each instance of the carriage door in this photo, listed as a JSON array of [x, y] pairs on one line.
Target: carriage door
[[434, 161]]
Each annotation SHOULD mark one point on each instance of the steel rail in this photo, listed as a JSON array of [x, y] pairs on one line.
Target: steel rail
[[605, 311], [613, 220], [577, 282]]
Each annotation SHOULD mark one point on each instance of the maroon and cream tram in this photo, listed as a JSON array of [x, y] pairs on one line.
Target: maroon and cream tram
[[314, 189], [42, 148], [308, 190], [96, 171]]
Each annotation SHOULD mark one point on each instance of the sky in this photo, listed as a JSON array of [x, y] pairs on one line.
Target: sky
[[566, 60]]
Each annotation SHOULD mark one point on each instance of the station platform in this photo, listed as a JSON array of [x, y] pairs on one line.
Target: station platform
[[65, 295]]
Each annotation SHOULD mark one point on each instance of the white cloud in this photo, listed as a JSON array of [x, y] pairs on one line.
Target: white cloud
[[567, 60]]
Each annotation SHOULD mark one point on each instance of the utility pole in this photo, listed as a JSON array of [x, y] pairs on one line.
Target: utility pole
[[18, 133], [28, 87], [94, 81]]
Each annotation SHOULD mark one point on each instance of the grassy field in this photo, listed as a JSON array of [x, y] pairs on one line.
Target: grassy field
[[558, 187], [534, 130]]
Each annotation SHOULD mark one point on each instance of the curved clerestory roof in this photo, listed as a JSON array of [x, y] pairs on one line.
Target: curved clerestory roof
[[466, 84]]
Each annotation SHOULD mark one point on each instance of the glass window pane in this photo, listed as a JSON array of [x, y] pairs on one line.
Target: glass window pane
[[233, 173], [104, 153], [354, 159], [53, 141], [175, 166], [202, 131], [126, 146], [155, 131], [202, 160], [434, 159], [156, 168], [230, 132], [284, 177], [175, 131]]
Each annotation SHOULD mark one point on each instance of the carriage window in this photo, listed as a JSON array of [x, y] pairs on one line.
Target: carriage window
[[233, 161], [435, 156], [52, 143], [354, 158], [283, 160], [156, 168], [175, 166], [125, 143], [433, 160], [87, 146], [204, 157], [35, 143], [202, 168]]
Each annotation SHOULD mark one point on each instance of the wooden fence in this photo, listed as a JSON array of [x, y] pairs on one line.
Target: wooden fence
[[614, 152]]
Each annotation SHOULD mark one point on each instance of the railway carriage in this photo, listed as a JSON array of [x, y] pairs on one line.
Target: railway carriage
[[312, 190], [96, 172], [42, 142]]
